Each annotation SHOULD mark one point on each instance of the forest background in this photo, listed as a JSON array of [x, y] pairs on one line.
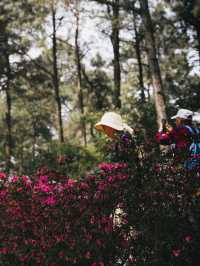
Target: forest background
[[64, 63]]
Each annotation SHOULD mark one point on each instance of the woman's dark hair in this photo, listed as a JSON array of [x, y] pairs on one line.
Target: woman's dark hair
[[188, 121]]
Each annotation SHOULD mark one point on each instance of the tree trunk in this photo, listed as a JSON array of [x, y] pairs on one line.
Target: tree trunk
[[21, 156], [55, 77], [138, 55], [116, 61], [34, 140], [160, 105], [6, 71], [79, 77], [8, 114]]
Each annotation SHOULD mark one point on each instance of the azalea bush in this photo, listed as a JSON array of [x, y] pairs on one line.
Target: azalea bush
[[48, 222], [137, 208]]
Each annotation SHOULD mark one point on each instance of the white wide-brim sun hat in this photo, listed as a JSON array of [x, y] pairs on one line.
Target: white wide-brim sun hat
[[113, 120], [183, 114]]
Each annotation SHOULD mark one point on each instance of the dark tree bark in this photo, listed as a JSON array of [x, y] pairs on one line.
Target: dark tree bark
[[5, 70], [113, 8], [138, 55], [160, 105], [34, 139], [8, 113], [116, 46], [55, 76], [79, 77]]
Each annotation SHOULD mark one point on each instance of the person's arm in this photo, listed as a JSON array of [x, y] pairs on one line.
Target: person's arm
[[165, 135]]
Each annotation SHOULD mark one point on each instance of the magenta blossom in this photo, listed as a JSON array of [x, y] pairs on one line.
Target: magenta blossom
[[70, 182], [108, 167], [51, 201], [43, 178], [188, 238], [3, 250], [176, 252], [2, 176], [14, 179]]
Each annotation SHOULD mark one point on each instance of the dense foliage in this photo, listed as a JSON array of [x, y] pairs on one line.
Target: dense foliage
[[143, 210]]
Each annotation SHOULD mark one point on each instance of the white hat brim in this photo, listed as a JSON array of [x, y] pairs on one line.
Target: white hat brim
[[99, 126], [174, 117]]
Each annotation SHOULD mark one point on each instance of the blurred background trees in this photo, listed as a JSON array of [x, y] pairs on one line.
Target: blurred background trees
[[64, 63]]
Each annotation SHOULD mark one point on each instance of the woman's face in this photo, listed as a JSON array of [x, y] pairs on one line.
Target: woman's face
[[109, 131], [179, 121]]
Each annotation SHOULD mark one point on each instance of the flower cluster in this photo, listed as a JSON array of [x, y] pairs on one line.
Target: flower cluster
[[140, 210], [46, 222]]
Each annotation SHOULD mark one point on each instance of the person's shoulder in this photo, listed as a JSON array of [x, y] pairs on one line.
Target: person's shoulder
[[182, 129], [187, 129]]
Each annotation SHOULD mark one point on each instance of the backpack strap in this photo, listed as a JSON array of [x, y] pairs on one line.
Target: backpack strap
[[192, 130], [195, 134], [197, 130]]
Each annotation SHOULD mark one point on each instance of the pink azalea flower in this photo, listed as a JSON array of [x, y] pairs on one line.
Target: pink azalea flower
[[102, 185], [122, 177], [84, 185], [188, 238], [25, 178], [70, 182], [87, 255], [108, 167], [176, 252], [43, 178], [3, 193], [111, 178], [3, 251], [14, 179], [157, 168], [43, 187], [105, 166], [51, 201], [33, 242], [20, 189], [2, 176]]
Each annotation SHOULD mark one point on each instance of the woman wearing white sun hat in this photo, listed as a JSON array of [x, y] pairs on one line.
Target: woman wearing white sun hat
[[180, 135], [111, 123], [183, 137]]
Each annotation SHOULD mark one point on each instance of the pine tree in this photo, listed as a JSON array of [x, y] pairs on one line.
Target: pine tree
[[160, 104]]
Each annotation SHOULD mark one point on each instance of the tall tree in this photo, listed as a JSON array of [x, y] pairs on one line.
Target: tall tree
[[113, 10], [160, 104], [6, 86], [79, 70], [137, 46], [55, 72], [115, 20], [188, 11], [14, 42]]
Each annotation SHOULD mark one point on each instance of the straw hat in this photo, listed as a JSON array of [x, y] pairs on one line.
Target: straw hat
[[113, 120], [183, 114]]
